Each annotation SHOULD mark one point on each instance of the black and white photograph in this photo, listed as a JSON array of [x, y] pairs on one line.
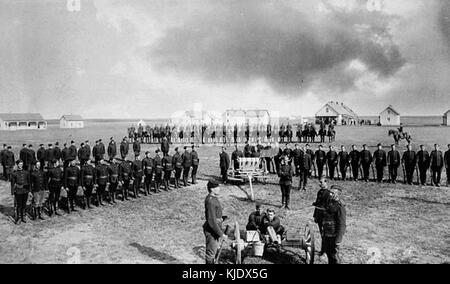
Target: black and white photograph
[[225, 132]]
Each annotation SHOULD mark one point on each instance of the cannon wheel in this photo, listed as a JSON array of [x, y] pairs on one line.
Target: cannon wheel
[[309, 248], [237, 238]]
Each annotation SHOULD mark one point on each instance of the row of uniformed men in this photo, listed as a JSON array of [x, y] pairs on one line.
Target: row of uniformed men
[[103, 179], [360, 163]]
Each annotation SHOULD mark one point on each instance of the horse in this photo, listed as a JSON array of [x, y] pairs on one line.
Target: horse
[[331, 135], [398, 137]]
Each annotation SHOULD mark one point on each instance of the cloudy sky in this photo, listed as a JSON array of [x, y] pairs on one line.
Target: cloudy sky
[[140, 58]]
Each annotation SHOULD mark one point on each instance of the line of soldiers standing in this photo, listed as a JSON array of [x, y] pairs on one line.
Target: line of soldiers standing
[[71, 174], [360, 163]]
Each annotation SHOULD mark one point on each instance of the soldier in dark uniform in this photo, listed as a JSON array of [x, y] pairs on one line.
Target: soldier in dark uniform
[[313, 156], [73, 151], [296, 158], [177, 162], [97, 152], [102, 178], [319, 208], [102, 148], [255, 220], [88, 149], [423, 163], [393, 160], [55, 182], [344, 162], [212, 228], [355, 161], [40, 155], [158, 167], [333, 224], [65, 156], [332, 161], [39, 185], [187, 162], [366, 161], [224, 164], [23, 156], [165, 146], [305, 166], [168, 168], [2, 160], [436, 165], [409, 159], [71, 183], [20, 186], [125, 178], [235, 157], [124, 148], [49, 154], [31, 156], [113, 174], [112, 149], [137, 175], [235, 133], [147, 165], [286, 173], [57, 151], [447, 164], [380, 160], [321, 159], [247, 150], [9, 161], [87, 180], [82, 154], [195, 163], [136, 147]]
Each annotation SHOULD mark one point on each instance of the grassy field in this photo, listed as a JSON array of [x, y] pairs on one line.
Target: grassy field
[[385, 223]]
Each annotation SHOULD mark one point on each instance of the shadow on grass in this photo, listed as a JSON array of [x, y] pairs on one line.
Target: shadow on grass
[[262, 202], [152, 253]]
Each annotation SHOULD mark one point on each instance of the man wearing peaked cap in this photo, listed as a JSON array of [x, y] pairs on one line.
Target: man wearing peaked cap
[[212, 228]]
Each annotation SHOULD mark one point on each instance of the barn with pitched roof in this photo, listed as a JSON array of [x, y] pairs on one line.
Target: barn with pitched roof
[[389, 116], [338, 113]]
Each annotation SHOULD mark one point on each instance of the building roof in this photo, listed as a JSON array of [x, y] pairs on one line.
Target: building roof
[[447, 112], [392, 109], [21, 117], [72, 117], [341, 108]]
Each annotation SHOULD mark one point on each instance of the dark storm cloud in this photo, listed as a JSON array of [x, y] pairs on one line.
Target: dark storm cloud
[[241, 41]]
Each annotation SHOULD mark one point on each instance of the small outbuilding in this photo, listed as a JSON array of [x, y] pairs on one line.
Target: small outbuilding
[[447, 118], [22, 121], [71, 121], [389, 116]]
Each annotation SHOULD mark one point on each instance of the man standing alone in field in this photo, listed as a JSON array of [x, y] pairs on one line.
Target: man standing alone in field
[[447, 164], [195, 163]]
